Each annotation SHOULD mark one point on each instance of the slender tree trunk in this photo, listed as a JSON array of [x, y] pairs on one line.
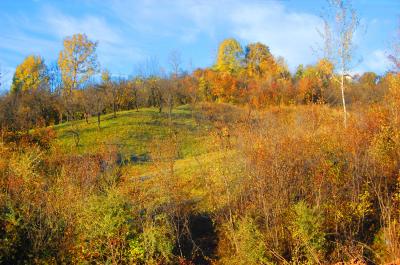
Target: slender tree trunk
[[160, 104], [343, 100], [170, 107], [98, 120], [136, 101], [114, 87]]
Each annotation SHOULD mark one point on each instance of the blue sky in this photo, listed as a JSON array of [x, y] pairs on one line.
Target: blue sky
[[130, 32]]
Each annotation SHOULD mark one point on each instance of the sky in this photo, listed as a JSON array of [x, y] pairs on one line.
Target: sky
[[131, 32]]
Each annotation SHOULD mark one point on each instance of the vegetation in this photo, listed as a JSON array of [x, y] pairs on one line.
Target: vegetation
[[239, 163]]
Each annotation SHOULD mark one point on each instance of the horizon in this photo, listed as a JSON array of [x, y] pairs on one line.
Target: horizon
[[129, 33]]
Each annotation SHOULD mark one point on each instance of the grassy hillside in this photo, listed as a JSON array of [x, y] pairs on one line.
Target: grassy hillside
[[133, 134], [132, 131]]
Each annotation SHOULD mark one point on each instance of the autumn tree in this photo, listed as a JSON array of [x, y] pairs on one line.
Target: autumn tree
[[77, 61], [156, 97], [97, 101], [204, 79], [258, 59], [111, 89], [313, 82], [136, 87], [229, 57], [29, 75]]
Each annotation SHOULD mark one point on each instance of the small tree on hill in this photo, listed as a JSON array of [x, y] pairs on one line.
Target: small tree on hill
[[341, 24]]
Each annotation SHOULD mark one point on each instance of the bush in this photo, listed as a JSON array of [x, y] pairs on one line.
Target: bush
[[308, 235]]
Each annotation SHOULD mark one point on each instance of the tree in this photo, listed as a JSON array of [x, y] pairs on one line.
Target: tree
[[314, 81], [338, 35], [258, 59], [369, 79], [77, 61], [96, 99], [111, 89], [135, 86], [229, 56], [394, 57], [172, 85], [29, 75], [299, 72], [55, 79], [156, 97]]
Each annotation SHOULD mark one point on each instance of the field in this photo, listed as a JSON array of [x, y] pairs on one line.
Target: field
[[131, 131]]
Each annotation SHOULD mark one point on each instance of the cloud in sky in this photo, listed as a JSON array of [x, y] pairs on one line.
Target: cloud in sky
[[376, 61], [115, 49], [288, 34], [95, 27], [131, 31]]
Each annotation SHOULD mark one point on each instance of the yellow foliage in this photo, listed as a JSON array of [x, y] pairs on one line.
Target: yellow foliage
[[77, 61], [29, 74], [228, 58]]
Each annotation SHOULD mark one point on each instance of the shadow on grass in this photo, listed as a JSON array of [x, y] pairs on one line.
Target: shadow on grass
[[133, 159]]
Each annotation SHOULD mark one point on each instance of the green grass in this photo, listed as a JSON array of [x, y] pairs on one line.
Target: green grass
[[131, 133], [200, 160]]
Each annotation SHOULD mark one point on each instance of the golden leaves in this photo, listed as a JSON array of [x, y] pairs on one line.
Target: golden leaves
[[77, 61], [29, 74]]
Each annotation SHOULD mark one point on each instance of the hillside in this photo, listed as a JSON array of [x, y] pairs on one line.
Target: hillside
[[260, 139], [132, 132]]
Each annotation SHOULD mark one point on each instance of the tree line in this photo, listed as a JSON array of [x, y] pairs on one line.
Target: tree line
[[76, 88]]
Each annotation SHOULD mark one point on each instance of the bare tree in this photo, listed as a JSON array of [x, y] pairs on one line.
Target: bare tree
[[175, 62], [172, 86], [135, 86], [98, 96], [394, 56], [340, 25], [111, 88]]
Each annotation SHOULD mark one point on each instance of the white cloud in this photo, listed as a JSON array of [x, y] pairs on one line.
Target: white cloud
[[184, 19], [23, 44], [115, 49], [95, 27], [288, 34], [6, 77], [376, 61], [42, 34]]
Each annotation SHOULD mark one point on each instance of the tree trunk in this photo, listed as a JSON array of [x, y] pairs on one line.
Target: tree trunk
[[160, 105], [170, 107], [343, 100], [136, 102], [114, 109], [98, 120]]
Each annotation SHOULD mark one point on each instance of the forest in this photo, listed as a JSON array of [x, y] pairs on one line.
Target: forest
[[243, 162]]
